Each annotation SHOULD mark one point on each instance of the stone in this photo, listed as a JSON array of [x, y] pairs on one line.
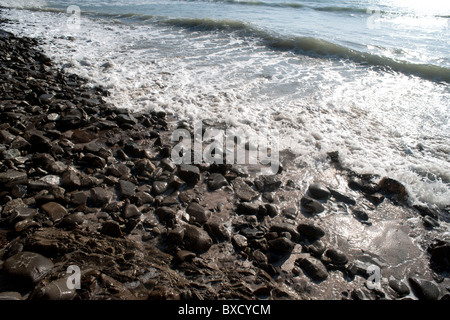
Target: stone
[[439, 251], [393, 188], [10, 154], [316, 249], [243, 190], [94, 161], [335, 257], [271, 210], [55, 290], [159, 187], [430, 222], [360, 215], [30, 266], [144, 167], [10, 295], [12, 176], [70, 179], [54, 210], [310, 231], [313, 267], [196, 239], [281, 245], [189, 173], [101, 197], [111, 228], [424, 289], [239, 241], [79, 198], [197, 213], [82, 136], [166, 215], [72, 220], [118, 170], [319, 191], [22, 213], [311, 205], [131, 211], [127, 189], [286, 227], [6, 137], [143, 197], [271, 182], [167, 164], [217, 231], [376, 198], [184, 255], [399, 287], [363, 185], [217, 181], [247, 208], [46, 98]]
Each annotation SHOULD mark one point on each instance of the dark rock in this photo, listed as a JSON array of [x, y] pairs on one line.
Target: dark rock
[[248, 208], [12, 176], [70, 179], [251, 233], [310, 230], [376, 198], [6, 137], [439, 251], [118, 170], [424, 289], [360, 215], [217, 231], [30, 266], [313, 267], [94, 161], [197, 213], [243, 190], [271, 182], [311, 205], [286, 227], [167, 164], [393, 188], [72, 220], [425, 210], [281, 245], [54, 210], [175, 182], [271, 210], [10, 295], [111, 228], [79, 198], [22, 213], [196, 239], [126, 118], [239, 241], [217, 181], [335, 257], [399, 287], [131, 211], [189, 173], [316, 249], [143, 197], [127, 189], [319, 191], [363, 185], [184, 255], [144, 167], [159, 187], [166, 215], [55, 290], [10, 154], [101, 197], [430, 222]]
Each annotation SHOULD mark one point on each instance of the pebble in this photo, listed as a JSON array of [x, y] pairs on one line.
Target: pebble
[[111, 228], [313, 267], [424, 289], [189, 173], [319, 191], [312, 205], [28, 265], [196, 239], [198, 213], [243, 190], [217, 181], [310, 230], [281, 245], [54, 210]]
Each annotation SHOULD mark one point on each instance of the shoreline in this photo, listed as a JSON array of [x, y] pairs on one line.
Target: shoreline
[[93, 186]]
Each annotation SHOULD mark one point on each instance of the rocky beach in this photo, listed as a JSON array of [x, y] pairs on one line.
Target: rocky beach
[[87, 185]]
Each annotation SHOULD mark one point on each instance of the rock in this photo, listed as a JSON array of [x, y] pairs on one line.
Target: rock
[[111, 228], [184, 255], [217, 231], [271, 210], [286, 227], [94, 161], [360, 215], [54, 210], [127, 189], [78, 198], [393, 188], [319, 191], [399, 287], [217, 181], [166, 215], [118, 170], [425, 210], [22, 213], [55, 290], [46, 98], [243, 190], [6, 137], [310, 230], [189, 173], [159, 187], [100, 197], [439, 251], [131, 211], [430, 222], [365, 186], [311, 205], [239, 241], [335, 257], [196, 239], [10, 295], [30, 266], [316, 249], [197, 213], [70, 179], [144, 167], [313, 267], [72, 220], [167, 164], [143, 197], [424, 289], [271, 182], [12, 176], [248, 208], [10, 154], [281, 245], [376, 198]]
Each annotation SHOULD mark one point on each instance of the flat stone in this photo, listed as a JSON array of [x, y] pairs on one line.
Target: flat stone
[[82, 136], [54, 210], [311, 205], [100, 196], [247, 208], [217, 181], [313, 267], [118, 170], [10, 154], [286, 227], [127, 189], [336, 257], [166, 215], [197, 213], [189, 173], [196, 239], [243, 190], [12, 176], [319, 191], [28, 265], [310, 230]]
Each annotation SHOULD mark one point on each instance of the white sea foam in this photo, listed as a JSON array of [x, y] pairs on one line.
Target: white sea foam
[[384, 123]]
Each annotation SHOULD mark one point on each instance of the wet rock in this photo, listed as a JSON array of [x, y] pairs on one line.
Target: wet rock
[[127, 189], [439, 251], [312, 267], [70, 179], [248, 208], [78, 198], [30, 266], [427, 211], [311, 205], [424, 289], [217, 231], [175, 182], [6, 137], [430, 222], [197, 213], [363, 185], [338, 196], [166, 215], [184, 255], [316, 249], [10, 295], [111, 228], [22, 213], [144, 167], [12, 176], [243, 190], [54, 210], [286, 227], [159, 187], [118, 170], [335, 257], [281, 245], [239, 241], [131, 211], [101, 197], [310, 231], [399, 287], [196, 239], [376, 198], [189, 173], [271, 210], [271, 182], [10, 154], [93, 160], [217, 181], [360, 215], [55, 290], [143, 197], [72, 220], [393, 188], [319, 191]]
